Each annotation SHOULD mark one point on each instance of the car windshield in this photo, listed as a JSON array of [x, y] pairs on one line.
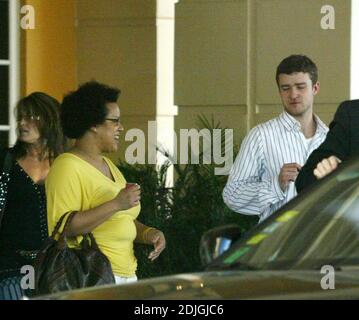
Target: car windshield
[[317, 228]]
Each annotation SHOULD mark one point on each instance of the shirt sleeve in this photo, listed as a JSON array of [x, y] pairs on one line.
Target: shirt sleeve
[[63, 191], [336, 143], [247, 190]]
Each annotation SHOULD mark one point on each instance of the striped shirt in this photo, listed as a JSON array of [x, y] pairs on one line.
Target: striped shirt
[[253, 186]]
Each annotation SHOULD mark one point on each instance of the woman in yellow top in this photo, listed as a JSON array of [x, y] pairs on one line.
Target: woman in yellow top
[[85, 181]]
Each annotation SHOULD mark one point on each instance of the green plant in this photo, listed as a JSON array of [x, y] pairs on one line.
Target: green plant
[[184, 212]]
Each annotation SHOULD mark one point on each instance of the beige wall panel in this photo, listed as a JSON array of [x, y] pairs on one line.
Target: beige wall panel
[[117, 46], [232, 117], [124, 57], [285, 27], [211, 53], [116, 9], [212, 66]]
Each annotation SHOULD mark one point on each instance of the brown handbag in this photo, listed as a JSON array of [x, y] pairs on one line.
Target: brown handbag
[[59, 267]]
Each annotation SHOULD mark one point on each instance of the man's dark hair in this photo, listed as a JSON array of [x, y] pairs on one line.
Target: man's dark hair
[[86, 107], [297, 63], [46, 110]]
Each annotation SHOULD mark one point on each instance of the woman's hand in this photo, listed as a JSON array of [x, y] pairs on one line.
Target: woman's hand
[[157, 238], [85, 223], [128, 197]]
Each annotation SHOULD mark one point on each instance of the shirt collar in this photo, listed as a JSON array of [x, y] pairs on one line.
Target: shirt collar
[[290, 123], [321, 126]]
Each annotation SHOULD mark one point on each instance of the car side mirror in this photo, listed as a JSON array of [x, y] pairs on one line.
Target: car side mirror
[[216, 241]]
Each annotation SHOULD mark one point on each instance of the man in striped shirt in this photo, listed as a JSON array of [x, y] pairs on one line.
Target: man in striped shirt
[[272, 154]]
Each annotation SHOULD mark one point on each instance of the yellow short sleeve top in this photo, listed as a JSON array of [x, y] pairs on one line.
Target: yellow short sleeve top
[[75, 185]]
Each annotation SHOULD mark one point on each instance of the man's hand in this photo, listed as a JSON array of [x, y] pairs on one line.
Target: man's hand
[[288, 173], [326, 166]]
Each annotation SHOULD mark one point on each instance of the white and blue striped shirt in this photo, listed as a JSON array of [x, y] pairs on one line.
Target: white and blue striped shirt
[[253, 186]]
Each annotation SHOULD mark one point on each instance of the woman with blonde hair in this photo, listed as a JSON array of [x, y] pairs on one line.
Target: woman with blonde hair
[[23, 170]]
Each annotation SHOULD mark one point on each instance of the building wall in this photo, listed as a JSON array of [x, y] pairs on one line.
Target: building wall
[[227, 53], [49, 51], [116, 43]]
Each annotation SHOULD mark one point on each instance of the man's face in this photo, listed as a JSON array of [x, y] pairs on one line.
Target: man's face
[[297, 93]]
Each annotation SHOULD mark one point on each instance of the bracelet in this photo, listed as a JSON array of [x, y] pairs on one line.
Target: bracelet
[[144, 233]]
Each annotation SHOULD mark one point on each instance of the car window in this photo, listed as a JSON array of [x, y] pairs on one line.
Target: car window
[[321, 228]]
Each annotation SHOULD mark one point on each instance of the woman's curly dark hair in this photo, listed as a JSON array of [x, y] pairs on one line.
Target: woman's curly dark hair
[[86, 107]]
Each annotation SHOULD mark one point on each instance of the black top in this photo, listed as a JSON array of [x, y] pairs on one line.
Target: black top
[[24, 224], [342, 141]]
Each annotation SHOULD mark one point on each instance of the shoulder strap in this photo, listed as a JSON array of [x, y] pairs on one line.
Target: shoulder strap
[[59, 223], [8, 162]]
